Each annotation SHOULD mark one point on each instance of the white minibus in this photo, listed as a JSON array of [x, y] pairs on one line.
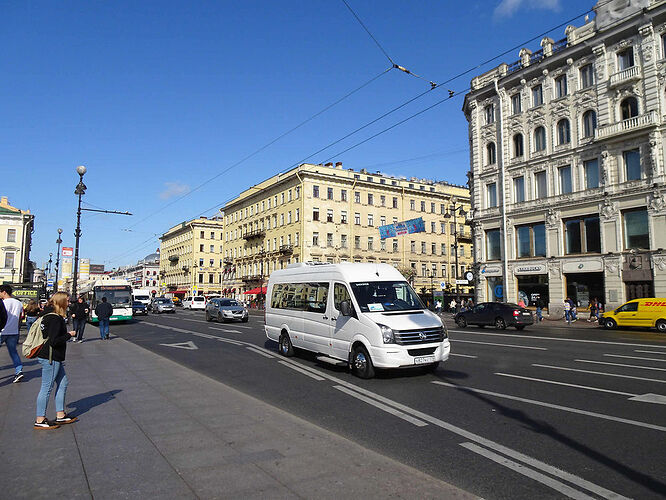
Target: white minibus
[[364, 315]]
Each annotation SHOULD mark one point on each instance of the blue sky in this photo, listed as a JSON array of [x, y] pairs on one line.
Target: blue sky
[[155, 98]]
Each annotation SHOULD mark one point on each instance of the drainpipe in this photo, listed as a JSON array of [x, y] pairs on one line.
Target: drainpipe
[[500, 164]]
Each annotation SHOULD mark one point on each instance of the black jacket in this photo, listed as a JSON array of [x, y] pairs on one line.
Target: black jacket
[[80, 311], [55, 330], [3, 314], [104, 310]]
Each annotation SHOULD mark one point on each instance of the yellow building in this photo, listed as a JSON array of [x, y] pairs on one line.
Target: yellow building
[[324, 213], [16, 228], [191, 257]]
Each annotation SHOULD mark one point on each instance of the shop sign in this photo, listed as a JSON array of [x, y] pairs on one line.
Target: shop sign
[[531, 269], [583, 266], [491, 271]]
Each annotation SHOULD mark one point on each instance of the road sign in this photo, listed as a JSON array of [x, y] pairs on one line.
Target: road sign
[[462, 282], [442, 285], [499, 291]]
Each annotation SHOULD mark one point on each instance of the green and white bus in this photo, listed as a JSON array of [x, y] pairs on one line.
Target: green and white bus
[[118, 293]]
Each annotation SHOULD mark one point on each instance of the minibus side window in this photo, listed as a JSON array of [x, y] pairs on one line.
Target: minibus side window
[[315, 296], [340, 293]]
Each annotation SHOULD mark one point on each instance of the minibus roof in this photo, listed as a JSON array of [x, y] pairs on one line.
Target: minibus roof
[[345, 271]]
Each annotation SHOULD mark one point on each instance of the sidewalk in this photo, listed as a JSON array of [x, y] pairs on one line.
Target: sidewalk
[[150, 428]]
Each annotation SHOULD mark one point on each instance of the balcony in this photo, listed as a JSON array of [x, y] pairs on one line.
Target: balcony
[[173, 258], [625, 126], [256, 277], [228, 260], [465, 236], [286, 249], [257, 233], [627, 75]]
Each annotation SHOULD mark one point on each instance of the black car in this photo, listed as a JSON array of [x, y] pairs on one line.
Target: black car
[[139, 308], [498, 314]]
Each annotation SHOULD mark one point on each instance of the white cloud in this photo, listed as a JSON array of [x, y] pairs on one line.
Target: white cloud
[[173, 189], [508, 8]]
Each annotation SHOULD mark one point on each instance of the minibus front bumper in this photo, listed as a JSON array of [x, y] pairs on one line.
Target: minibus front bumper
[[399, 356]]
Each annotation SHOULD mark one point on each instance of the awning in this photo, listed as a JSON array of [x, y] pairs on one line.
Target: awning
[[181, 291], [261, 290]]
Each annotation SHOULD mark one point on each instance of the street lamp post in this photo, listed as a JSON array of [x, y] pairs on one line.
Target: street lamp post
[[80, 191], [262, 254], [456, 209], [58, 241]]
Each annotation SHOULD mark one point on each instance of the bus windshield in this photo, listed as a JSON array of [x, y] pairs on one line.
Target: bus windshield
[[115, 295], [378, 296]]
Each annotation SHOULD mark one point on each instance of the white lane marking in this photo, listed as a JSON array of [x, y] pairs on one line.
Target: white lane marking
[[565, 384], [189, 345], [381, 406], [525, 471], [650, 398], [555, 407], [620, 364], [559, 339], [243, 326], [196, 320], [499, 344], [462, 355], [205, 335], [229, 341], [537, 464], [223, 329], [650, 352], [257, 351], [599, 373], [300, 370], [634, 357]]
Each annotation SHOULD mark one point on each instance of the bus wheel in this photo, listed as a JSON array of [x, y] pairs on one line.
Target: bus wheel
[[285, 347], [661, 326], [361, 363]]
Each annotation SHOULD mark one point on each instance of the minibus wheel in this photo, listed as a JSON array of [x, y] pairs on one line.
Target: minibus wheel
[[361, 363], [661, 326], [285, 346], [610, 324]]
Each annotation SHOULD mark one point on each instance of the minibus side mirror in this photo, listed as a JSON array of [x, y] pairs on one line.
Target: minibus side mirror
[[345, 308]]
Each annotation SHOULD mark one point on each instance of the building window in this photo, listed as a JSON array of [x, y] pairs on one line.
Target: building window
[[491, 154], [589, 123], [442, 248], [423, 206], [625, 59], [329, 215], [315, 214], [586, 76], [343, 195], [563, 132], [489, 112], [564, 174], [423, 247], [382, 220], [412, 205], [202, 234], [493, 247], [491, 190], [296, 215], [537, 95], [442, 227], [288, 217], [519, 189], [315, 191], [591, 168], [632, 164], [629, 108], [357, 219], [515, 104], [11, 235], [329, 193], [531, 241], [343, 241], [315, 239], [412, 246], [518, 145], [540, 185], [212, 248], [201, 248], [395, 202], [582, 235], [357, 242], [561, 86], [282, 196], [343, 217], [370, 242], [357, 197], [433, 227], [9, 260], [636, 232], [539, 139], [371, 199], [382, 200], [371, 220], [395, 245], [329, 239]]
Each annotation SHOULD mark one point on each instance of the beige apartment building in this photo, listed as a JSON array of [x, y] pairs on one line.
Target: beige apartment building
[[324, 213], [191, 257], [16, 228]]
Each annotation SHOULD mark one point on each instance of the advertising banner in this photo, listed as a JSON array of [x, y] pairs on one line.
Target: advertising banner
[[402, 228], [67, 251]]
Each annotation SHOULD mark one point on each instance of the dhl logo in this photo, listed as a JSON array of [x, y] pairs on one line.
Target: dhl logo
[[655, 304]]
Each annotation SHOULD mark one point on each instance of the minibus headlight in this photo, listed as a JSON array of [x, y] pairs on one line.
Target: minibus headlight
[[387, 334]]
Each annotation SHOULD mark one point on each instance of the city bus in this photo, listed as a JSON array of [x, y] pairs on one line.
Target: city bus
[[118, 293]]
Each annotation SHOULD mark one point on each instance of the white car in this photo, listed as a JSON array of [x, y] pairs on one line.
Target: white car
[[195, 302]]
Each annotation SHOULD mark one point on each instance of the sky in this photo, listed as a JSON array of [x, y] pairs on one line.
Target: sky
[[172, 105]]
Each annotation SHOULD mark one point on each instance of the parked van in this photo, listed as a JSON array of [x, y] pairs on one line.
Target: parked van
[[647, 313], [363, 315], [195, 302]]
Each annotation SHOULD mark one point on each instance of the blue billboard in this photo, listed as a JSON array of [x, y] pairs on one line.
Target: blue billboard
[[402, 228]]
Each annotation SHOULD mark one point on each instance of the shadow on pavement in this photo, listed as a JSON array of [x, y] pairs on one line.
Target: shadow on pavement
[[82, 405]]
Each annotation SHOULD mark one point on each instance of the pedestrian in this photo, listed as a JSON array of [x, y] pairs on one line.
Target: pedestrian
[[574, 311], [521, 303], [104, 310], [52, 358], [593, 310], [10, 333], [567, 310], [452, 305], [539, 310], [470, 304], [31, 312], [80, 317], [438, 306]]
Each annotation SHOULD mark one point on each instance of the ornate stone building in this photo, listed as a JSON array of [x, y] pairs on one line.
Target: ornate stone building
[[16, 227], [567, 163]]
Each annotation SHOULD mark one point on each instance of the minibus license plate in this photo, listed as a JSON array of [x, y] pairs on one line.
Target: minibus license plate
[[424, 360]]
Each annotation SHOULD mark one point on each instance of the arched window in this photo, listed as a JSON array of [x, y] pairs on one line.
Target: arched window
[[629, 108], [563, 132], [518, 145], [539, 139], [589, 123], [490, 153]]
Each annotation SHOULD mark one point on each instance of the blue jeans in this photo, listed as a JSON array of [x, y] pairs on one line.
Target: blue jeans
[[104, 328], [29, 320], [567, 316], [539, 317], [12, 342], [52, 373], [79, 327]]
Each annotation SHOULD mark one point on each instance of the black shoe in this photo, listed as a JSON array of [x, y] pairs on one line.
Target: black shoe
[[45, 425], [65, 420], [18, 377]]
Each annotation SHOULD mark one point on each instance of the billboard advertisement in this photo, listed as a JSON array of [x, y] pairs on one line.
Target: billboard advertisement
[[401, 228], [67, 251]]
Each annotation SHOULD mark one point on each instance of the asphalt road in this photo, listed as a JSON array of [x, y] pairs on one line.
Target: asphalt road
[[550, 412]]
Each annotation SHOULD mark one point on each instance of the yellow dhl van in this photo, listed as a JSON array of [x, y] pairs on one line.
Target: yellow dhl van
[[647, 313]]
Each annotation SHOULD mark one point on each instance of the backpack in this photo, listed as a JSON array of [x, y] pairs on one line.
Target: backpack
[[35, 340]]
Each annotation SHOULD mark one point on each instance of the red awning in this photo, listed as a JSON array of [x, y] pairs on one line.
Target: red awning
[[261, 290], [181, 291]]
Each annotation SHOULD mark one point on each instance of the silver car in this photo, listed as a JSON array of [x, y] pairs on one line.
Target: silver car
[[224, 310], [163, 306]]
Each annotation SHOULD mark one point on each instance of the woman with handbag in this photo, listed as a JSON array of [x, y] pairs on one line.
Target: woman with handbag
[[52, 357]]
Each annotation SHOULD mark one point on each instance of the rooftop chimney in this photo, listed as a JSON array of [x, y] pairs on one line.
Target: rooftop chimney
[[338, 164], [328, 165]]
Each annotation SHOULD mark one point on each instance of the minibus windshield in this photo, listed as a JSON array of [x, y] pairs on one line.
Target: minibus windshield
[[378, 296]]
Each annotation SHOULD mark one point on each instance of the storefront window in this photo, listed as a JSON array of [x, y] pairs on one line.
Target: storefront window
[[495, 288], [493, 245], [532, 288], [636, 233]]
